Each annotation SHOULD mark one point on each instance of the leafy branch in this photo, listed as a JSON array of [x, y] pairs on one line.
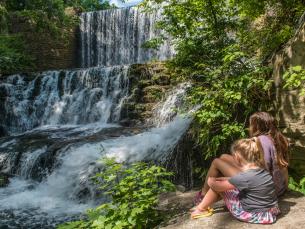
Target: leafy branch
[[134, 192], [295, 78]]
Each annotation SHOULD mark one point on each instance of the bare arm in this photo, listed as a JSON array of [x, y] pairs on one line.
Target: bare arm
[[220, 185], [221, 178]]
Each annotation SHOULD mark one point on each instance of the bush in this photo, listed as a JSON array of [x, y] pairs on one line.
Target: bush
[[294, 78], [12, 55], [134, 192], [222, 47], [295, 186]]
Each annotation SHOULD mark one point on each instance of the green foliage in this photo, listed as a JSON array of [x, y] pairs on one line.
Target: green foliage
[[89, 5], [295, 186], [45, 16], [12, 55], [266, 25], [56, 7], [215, 52], [153, 43], [295, 78], [42, 17], [134, 192], [228, 96]]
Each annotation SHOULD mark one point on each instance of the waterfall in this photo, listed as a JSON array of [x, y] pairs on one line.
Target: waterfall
[[64, 97], [52, 174], [59, 123], [130, 29], [164, 112]]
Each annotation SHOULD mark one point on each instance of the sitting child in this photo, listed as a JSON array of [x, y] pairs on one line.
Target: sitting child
[[250, 195]]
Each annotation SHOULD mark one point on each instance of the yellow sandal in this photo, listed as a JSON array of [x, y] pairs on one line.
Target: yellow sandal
[[196, 214]]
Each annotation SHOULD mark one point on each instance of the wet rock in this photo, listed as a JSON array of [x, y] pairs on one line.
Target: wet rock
[[48, 144], [180, 188], [4, 180], [3, 132], [183, 161]]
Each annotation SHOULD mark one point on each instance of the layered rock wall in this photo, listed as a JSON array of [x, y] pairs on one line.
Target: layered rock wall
[[290, 106], [148, 85]]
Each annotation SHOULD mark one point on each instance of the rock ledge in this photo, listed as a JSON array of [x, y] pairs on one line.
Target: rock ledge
[[292, 206]]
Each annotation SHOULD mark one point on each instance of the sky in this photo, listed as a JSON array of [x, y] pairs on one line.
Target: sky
[[127, 3]]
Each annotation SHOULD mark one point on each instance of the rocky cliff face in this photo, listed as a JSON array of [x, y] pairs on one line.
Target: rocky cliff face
[[290, 106], [148, 85]]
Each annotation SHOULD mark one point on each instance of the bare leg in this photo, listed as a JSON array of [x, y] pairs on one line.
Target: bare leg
[[210, 198], [225, 166]]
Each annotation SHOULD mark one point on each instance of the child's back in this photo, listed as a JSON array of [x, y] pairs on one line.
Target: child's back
[[256, 189]]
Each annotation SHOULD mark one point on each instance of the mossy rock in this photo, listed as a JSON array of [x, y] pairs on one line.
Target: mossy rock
[[151, 98], [142, 107], [144, 83], [132, 111], [145, 115], [153, 89], [148, 84], [161, 79], [148, 74]]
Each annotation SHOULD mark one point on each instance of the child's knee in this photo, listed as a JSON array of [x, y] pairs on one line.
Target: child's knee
[[216, 162], [225, 156]]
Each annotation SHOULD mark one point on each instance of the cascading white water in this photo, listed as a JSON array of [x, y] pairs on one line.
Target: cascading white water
[[130, 29], [57, 197], [64, 97], [60, 121], [164, 112]]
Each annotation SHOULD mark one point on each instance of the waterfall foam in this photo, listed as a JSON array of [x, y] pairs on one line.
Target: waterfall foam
[[130, 29], [67, 191], [64, 97], [165, 111]]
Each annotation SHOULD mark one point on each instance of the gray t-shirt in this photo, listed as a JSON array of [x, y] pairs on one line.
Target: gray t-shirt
[[257, 190]]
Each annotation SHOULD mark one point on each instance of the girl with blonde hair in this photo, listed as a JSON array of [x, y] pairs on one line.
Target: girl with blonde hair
[[249, 195], [275, 149]]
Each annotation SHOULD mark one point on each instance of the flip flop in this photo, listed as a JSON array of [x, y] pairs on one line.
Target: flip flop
[[197, 214], [194, 208]]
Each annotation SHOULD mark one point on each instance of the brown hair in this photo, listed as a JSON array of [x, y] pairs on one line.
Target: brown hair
[[262, 123], [250, 150]]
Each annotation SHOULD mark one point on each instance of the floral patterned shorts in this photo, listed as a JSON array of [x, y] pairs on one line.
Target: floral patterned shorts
[[233, 204]]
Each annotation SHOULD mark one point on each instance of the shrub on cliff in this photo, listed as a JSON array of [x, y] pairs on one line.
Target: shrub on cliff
[[134, 192], [222, 47]]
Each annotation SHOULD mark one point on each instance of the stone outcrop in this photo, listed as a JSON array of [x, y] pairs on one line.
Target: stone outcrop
[[148, 84], [290, 106]]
